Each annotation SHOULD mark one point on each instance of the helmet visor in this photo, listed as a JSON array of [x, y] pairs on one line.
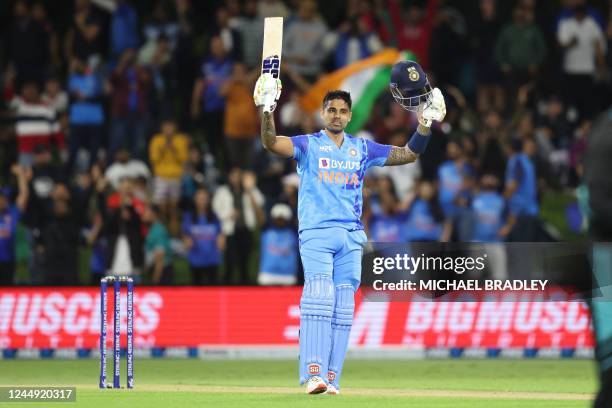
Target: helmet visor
[[411, 99]]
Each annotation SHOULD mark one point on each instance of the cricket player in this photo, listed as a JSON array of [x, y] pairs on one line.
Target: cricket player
[[331, 165]]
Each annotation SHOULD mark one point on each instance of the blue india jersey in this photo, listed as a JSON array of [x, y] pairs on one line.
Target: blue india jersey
[[86, 112], [8, 229], [279, 251], [204, 232], [421, 224], [451, 178], [387, 228], [331, 179], [489, 210], [520, 169]]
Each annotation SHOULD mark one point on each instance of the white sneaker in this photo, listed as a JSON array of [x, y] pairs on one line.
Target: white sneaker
[[331, 390], [315, 385]]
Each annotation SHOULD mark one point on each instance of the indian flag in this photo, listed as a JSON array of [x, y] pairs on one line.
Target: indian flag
[[365, 80]]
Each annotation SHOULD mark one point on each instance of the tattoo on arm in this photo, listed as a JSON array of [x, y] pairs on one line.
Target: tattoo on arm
[[268, 130], [400, 155], [423, 130]]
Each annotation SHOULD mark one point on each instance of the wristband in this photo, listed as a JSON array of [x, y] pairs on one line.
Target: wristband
[[418, 142]]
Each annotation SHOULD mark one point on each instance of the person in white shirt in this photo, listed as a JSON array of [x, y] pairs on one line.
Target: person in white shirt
[[583, 46], [239, 207], [126, 167]]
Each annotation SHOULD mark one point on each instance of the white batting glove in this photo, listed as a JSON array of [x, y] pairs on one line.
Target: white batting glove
[[267, 91], [434, 109]]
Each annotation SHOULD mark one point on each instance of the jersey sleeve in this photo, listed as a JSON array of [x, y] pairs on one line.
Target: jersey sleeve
[[515, 171], [377, 153], [300, 147]]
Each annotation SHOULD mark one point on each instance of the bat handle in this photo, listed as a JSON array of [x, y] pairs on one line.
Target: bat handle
[[269, 102]]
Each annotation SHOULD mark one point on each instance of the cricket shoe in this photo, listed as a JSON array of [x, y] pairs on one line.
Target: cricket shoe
[[315, 385], [331, 390]]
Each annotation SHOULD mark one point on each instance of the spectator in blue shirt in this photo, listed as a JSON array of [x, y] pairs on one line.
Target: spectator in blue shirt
[[9, 216], [426, 220], [99, 249], [207, 104], [387, 225], [161, 24], [203, 237], [124, 28], [352, 41], [86, 111], [488, 211], [279, 249], [521, 183], [488, 217], [455, 178]]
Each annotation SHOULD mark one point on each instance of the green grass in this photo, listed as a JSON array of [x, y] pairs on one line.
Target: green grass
[[157, 382], [552, 211]]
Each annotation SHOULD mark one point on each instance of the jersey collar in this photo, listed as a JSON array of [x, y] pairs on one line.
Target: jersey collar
[[332, 141]]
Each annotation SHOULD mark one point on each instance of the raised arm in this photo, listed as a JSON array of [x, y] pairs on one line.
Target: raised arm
[[280, 145], [266, 93], [22, 183], [400, 155], [408, 154]]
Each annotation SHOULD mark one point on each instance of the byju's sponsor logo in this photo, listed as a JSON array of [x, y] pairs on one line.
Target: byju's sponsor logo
[[325, 163]]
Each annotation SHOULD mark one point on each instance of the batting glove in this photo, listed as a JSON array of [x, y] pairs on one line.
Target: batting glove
[[433, 109], [267, 91]]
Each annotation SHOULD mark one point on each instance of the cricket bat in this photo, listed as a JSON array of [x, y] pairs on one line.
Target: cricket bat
[[272, 50]]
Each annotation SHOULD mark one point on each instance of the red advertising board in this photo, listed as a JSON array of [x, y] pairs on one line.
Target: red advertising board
[[189, 316]]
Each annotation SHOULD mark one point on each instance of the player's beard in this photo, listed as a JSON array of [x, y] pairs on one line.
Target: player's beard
[[335, 129]]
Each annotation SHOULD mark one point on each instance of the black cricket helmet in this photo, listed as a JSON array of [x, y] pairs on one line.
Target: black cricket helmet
[[409, 85]]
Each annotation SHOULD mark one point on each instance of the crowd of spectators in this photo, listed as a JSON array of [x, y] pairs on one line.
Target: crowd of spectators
[[130, 139]]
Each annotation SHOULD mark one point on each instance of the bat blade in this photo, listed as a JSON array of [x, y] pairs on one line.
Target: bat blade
[[272, 46]]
